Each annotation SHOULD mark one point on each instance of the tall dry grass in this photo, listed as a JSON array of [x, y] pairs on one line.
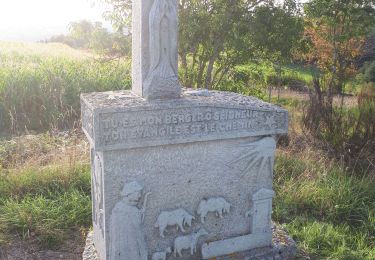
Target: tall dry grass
[[40, 85]]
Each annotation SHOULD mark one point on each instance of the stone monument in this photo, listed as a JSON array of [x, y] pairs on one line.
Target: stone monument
[[177, 174]]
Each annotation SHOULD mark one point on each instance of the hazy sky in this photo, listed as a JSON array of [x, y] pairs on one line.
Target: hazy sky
[[32, 20]]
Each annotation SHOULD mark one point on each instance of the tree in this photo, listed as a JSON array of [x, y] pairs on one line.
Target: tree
[[368, 50], [277, 30], [213, 39], [94, 36], [276, 33], [217, 35], [335, 30], [80, 33]]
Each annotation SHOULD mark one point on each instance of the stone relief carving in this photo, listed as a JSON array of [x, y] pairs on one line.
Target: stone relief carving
[[258, 154], [261, 211], [178, 217], [163, 38], [97, 186], [217, 205], [161, 255], [188, 242], [126, 233], [270, 121]]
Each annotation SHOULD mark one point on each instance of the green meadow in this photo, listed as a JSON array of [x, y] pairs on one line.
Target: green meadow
[[45, 190]]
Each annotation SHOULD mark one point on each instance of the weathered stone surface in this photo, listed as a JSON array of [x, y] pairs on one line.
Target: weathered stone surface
[[283, 247], [119, 120], [177, 174], [89, 253], [193, 175]]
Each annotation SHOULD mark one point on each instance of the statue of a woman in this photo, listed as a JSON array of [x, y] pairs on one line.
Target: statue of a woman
[[127, 240], [163, 38], [162, 77]]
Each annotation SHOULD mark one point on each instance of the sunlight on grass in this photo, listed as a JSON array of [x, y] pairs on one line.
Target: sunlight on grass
[[41, 83], [330, 213], [47, 203], [29, 51]]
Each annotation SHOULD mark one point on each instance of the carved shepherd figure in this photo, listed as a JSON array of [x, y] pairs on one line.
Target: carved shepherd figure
[[218, 205], [179, 217], [163, 39], [127, 240], [188, 242]]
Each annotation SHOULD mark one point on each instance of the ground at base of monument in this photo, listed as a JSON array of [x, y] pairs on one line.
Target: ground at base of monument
[[283, 248], [29, 249]]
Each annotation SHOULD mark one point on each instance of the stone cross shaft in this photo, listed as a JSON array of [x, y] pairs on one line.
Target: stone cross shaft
[[154, 49]]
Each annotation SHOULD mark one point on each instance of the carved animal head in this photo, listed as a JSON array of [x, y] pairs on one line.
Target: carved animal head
[[201, 205], [201, 232]]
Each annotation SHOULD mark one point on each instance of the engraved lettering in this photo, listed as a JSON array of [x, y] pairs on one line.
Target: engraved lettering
[[180, 123]]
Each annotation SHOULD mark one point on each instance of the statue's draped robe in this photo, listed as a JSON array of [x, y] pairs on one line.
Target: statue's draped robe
[[163, 38], [127, 238]]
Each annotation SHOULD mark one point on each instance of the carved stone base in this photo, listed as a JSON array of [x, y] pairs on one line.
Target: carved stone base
[[192, 174], [283, 248]]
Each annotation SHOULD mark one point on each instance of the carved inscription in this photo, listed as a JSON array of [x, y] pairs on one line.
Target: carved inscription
[[185, 123]]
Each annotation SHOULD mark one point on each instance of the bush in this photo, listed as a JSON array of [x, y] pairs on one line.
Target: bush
[[292, 82], [349, 131], [369, 72]]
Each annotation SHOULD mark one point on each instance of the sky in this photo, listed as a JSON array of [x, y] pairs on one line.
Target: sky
[[33, 20]]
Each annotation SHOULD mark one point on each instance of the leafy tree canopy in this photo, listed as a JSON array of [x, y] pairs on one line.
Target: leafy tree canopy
[[335, 30]]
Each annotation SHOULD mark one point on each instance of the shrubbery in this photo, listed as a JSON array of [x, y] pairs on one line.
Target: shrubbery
[[349, 131], [369, 72]]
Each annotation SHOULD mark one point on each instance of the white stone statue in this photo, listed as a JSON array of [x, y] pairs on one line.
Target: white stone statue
[[161, 255], [217, 205], [161, 81], [178, 217], [127, 240], [163, 38], [188, 242]]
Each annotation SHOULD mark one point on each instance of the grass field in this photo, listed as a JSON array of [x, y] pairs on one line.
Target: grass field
[[40, 84], [45, 178]]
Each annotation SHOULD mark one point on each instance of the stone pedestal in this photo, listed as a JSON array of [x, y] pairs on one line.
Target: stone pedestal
[[187, 178]]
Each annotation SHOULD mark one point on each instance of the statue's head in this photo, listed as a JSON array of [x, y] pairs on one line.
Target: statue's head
[[132, 191]]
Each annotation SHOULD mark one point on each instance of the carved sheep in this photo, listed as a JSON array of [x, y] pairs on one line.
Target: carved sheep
[[179, 217], [188, 242], [218, 205], [161, 255]]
